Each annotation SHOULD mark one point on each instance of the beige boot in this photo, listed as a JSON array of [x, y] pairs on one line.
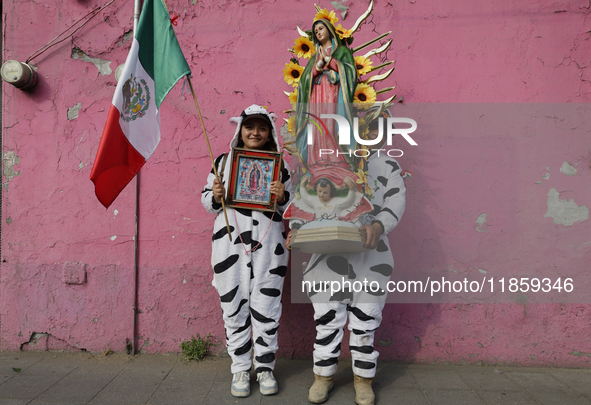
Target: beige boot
[[320, 389], [363, 392]]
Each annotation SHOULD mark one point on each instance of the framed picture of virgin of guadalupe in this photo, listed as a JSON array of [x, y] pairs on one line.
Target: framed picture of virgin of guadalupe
[[251, 174]]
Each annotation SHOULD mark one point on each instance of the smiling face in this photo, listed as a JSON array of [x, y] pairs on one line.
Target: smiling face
[[255, 133]]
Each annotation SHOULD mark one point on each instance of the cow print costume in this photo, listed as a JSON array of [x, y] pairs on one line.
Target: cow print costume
[[364, 308], [249, 284]]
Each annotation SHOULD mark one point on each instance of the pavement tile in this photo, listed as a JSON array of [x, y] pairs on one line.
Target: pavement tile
[[578, 380], [13, 402], [188, 393], [85, 382], [57, 365], [220, 395], [138, 381], [506, 398], [486, 378], [27, 386], [543, 383], [430, 378], [401, 396], [22, 360], [394, 376], [449, 397]]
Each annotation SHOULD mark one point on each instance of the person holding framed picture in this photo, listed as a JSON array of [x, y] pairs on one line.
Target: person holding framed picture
[[249, 268]]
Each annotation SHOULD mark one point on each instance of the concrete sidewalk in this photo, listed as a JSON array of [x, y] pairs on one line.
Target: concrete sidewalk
[[43, 378]]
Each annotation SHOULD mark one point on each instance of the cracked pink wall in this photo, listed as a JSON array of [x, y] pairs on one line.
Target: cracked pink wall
[[446, 51]]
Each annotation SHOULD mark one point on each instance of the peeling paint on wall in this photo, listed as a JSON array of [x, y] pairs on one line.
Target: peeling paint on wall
[[565, 212], [103, 66], [568, 169], [73, 111], [481, 225], [338, 5], [10, 160]]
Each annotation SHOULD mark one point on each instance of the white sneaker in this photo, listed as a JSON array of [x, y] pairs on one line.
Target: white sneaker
[[241, 384], [268, 383]]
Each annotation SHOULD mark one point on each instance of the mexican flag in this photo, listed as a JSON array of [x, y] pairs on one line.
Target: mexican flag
[[154, 64]]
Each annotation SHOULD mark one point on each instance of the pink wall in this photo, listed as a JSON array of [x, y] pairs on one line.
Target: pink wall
[[54, 229]]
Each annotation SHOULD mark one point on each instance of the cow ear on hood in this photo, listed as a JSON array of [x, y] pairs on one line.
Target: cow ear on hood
[[273, 116], [236, 120]]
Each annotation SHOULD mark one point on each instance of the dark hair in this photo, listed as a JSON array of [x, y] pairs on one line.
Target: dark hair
[[323, 182]]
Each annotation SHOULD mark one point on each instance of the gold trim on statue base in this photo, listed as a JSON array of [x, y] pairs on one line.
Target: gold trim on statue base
[[329, 240]]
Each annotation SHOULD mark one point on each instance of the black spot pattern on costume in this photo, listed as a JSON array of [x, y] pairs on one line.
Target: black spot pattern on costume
[[244, 349], [383, 180], [271, 332], [242, 211], [389, 211], [391, 192], [362, 316], [352, 274], [255, 222], [275, 216], [362, 349], [382, 247], [280, 271], [266, 358], [320, 258], [358, 332], [377, 293], [270, 292], [376, 209], [284, 175], [242, 302], [243, 327], [327, 317], [229, 296], [225, 264], [284, 235], [221, 233], [383, 269], [261, 342], [260, 317], [365, 365], [338, 264], [327, 362], [393, 164], [337, 349], [341, 296], [325, 341], [261, 369], [251, 273], [245, 237], [279, 249]]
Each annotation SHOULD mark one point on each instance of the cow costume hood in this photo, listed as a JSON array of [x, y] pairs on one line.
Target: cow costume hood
[[254, 110]]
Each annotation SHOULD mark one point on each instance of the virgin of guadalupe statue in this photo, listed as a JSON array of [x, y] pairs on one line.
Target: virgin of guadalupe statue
[[327, 86]]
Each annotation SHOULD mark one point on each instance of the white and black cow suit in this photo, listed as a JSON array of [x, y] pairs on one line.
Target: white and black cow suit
[[249, 284], [364, 308]]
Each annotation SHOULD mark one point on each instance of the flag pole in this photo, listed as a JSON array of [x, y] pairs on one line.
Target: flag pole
[[136, 17], [215, 171]]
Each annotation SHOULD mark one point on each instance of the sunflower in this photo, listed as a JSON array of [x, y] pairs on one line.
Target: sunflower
[[304, 48], [324, 14], [364, 65], [343, 33], [292, 73], [290, 122], [293, 97], [364, 96]]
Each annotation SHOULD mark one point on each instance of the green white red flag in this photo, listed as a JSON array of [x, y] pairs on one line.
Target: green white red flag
[[154, 65]]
